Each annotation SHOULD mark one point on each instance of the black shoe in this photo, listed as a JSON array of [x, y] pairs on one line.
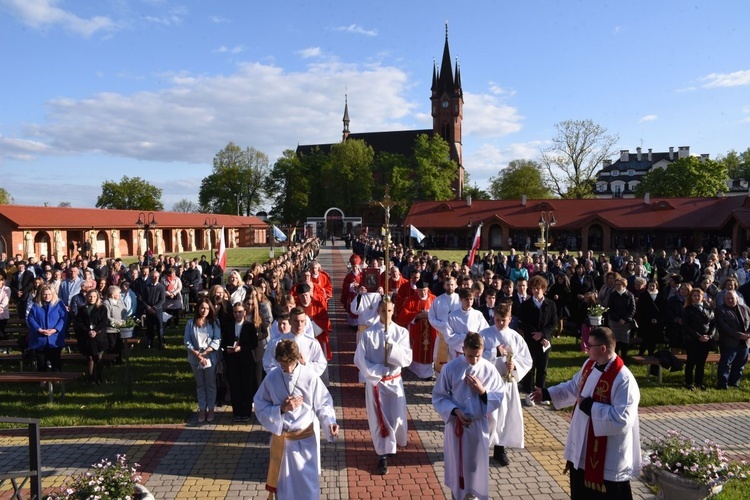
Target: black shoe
[[382, 466], [690, 387], [702, 387], [500, 455]]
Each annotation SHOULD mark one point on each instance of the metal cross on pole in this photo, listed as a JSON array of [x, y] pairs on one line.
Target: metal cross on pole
[[386, 203]]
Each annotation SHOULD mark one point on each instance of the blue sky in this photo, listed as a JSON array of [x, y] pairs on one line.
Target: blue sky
[[92, 91]]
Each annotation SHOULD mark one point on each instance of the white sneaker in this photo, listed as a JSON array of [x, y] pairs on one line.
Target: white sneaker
[[546, 403], [529, 401]]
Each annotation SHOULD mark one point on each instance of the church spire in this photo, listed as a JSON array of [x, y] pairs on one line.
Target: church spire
[[445, 80], [346, 118]]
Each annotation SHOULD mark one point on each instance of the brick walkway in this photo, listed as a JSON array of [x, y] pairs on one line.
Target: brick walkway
[[228, 460]]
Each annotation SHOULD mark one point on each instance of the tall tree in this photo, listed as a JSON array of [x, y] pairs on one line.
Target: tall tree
[[186, 206], [520, 177], [288, 186], [430, 174], [685, 177], [5, 197], [738, 164], [235, 185], [347, 175], [577, 150], [130, 194]]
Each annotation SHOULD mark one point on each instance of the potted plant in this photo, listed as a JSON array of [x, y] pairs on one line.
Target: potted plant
[[109, 480], [686, 470], [595, 314], [126, 327]]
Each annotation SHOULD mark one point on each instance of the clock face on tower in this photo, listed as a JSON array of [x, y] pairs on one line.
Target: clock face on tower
[[444, 104]]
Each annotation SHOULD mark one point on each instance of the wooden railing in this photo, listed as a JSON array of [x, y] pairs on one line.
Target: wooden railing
[[34, 474]]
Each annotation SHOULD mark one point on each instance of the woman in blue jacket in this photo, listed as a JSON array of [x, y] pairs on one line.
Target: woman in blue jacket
[[48, 328], [202, 341]]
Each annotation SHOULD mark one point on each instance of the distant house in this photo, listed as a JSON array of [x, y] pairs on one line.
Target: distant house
[[36, 231], [619, 179], [589, 224]]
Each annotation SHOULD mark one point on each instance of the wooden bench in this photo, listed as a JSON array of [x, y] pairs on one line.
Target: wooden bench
[[713, 359], [37, 377]]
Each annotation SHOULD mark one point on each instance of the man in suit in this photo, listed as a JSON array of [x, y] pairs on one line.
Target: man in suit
[[733, 323], [538, 320], [154, 295], [22, 286], [488, 307]]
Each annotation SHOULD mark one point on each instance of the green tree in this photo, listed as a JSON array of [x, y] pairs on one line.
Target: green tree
[[130, 194], [685, 177], [347, 175], [476, 193], [737, 164], [5, 197], [288, 186], [186, 206], [64, 204], [520, 177], [235, 185], [577, 150], [430, 174]]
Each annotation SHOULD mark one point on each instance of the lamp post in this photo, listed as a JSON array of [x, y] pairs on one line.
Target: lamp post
[[210, 225], [146, 221], [546, 221]]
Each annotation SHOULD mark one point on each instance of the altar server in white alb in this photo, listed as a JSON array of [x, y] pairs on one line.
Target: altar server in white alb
[[438, 314], [289, 404], [311, 354], [603, 449], [508, 351], [465, 319], [381, 354], [467, 389]]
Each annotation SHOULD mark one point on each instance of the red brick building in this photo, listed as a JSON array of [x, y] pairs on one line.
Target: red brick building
[[35, 231], [595, 224]]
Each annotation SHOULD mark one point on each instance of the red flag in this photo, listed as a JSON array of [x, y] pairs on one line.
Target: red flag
[[475, 245], [222, 250]]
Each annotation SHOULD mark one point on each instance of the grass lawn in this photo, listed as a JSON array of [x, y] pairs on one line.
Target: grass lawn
[[236, 257]]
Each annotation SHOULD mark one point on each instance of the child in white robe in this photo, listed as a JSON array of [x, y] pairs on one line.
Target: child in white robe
[[467, 389]]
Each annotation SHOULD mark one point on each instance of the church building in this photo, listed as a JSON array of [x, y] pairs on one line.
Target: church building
[[447, 115]]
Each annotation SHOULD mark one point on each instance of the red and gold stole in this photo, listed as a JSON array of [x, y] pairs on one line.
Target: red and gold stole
[[596, 446]]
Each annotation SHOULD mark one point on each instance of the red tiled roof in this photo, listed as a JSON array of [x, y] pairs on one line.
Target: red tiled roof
[[634, 213], [28, 217]]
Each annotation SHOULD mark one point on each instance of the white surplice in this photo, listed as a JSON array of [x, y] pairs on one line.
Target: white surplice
[[618, 421], [451, 391], [365, 306], [309, 348], [459, 323], [275, 333], [506, 424], [370, 358], [299, 476]]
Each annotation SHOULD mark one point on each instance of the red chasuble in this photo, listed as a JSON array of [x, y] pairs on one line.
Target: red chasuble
[[421, 335]]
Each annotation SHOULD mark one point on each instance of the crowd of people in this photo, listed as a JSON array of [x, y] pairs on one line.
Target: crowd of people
[[482, 331]]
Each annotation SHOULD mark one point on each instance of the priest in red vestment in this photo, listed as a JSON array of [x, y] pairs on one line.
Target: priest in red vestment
[[422, 335], [349, 289]]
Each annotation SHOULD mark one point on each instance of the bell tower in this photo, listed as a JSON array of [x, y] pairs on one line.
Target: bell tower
[[448, 109]]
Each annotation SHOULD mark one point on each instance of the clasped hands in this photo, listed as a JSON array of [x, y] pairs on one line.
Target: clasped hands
[[291, 403]]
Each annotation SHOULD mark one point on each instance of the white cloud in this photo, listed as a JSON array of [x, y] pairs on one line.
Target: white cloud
[[486, 116], [232, 50], [174, 16], [357, 29], [647, 118], [195, 116], [46, 13], [488, 159], [735, 79], [617, 30], [310, 52], [218, 19], [496, 89]]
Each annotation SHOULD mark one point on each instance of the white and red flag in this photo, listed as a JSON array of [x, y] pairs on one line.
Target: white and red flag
[[475, 245], [222, 250]]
